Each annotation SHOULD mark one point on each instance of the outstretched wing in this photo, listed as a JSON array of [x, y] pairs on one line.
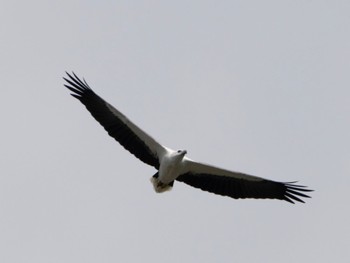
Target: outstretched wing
[[239, 185], [131, 137]]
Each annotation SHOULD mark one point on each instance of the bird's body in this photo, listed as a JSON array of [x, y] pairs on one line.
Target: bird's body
[[173, 165]]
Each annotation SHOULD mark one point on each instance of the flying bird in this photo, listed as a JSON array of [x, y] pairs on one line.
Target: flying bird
[[174, 165]]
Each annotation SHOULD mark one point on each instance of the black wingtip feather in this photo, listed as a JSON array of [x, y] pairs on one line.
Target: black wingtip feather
[[297, 193], [288, 200], [76, 91], [293, 192], [86, 83], [293, 197], [78, 81], [76, 85], [76, 96]]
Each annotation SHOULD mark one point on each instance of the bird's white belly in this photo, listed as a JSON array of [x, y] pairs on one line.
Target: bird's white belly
[[168, 173], [170, 168]]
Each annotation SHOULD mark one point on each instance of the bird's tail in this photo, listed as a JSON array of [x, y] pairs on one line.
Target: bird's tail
[[159, 186]]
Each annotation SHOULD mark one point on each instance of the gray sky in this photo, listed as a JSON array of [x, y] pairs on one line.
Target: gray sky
[[260, 87]]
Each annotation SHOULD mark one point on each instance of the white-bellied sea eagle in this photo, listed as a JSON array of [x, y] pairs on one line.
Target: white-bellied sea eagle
[[173, 165]]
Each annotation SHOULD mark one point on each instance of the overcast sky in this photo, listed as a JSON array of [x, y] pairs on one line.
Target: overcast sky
[[261, 87]]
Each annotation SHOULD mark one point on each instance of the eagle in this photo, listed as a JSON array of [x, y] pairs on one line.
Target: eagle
[[174, 165]]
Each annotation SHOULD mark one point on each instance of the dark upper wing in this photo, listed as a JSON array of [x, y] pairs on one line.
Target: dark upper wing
[[238, 185], [116, 124]]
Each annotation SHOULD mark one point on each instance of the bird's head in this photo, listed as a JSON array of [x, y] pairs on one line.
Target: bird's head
[[181, 153]]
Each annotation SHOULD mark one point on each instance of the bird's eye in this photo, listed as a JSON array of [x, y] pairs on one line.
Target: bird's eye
[[179, 151]]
